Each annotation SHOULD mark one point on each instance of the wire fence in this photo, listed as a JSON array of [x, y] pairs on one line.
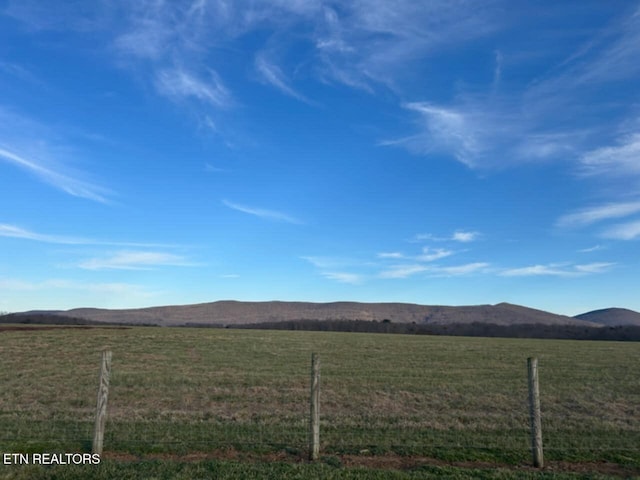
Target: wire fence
[[371, 403]]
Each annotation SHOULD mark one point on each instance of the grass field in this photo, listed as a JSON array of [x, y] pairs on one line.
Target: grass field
[[184, 401]]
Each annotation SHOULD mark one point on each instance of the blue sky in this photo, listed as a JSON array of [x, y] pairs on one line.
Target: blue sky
[[437, 152]]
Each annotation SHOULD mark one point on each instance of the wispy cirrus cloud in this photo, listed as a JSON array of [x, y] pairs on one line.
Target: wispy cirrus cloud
[[354, 44], [182, 46], [610, 54], [431, 254], [558, 270], [339, 269], [172, 44], [135, 260], [463, 236], [359, 44], [428, 254], [179, 83], [344, 277], [461, 270], [618, 160], [80, 17], [45, 153], [273, 215], [405, 271], [398, 265], [325, 262], [500, 124], [598, 267], [595, 248], [274, 76], [148, 34], [599, 213], [62, 181], [450, 130], [394, 255], [21, 72], [623, 231], [364, 43], [14, 231], [484, 133], [402, 271]]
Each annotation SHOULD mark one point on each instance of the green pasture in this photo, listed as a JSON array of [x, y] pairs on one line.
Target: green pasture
[[181, 391]]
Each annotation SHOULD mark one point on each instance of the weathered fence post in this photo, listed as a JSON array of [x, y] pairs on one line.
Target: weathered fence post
[[101, 407], [314, 423], [534, 413]]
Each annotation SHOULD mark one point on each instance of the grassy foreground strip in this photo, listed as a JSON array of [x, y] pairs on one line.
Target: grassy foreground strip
[[233, 470], [178, 391]]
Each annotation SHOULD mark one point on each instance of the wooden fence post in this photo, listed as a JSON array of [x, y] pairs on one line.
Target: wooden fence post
[[534, 413], [314, 423], [101, 407]]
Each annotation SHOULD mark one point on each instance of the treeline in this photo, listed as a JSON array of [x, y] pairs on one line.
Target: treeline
[[476, 329], [44, 319], [51, 319]]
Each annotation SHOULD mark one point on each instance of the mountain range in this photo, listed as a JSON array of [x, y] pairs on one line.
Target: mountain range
[[229, 313]]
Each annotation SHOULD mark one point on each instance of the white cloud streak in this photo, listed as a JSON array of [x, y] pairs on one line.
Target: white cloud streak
[[499, 125], [461, 236], [394, 255], [405, 271], [334, 269], [588, 216], [620, 160], [461, 270], [598, 267], [20, 72], [535, 270], [595, 248], [14, 231], [66, 183], [178, 84], [447, 130], [465, 237], [344, 277], [430, 254], [360, 44], [363, 43], [402, 271], [611, 54], [262, 213], [135, 260], [356, 42], [624, 231], [274, 76], [558, 270], [483, 133]]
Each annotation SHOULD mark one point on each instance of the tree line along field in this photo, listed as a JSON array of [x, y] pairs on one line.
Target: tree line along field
[[230, 403]]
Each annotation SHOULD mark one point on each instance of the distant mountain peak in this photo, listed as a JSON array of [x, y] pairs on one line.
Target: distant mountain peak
[[613, 316]]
